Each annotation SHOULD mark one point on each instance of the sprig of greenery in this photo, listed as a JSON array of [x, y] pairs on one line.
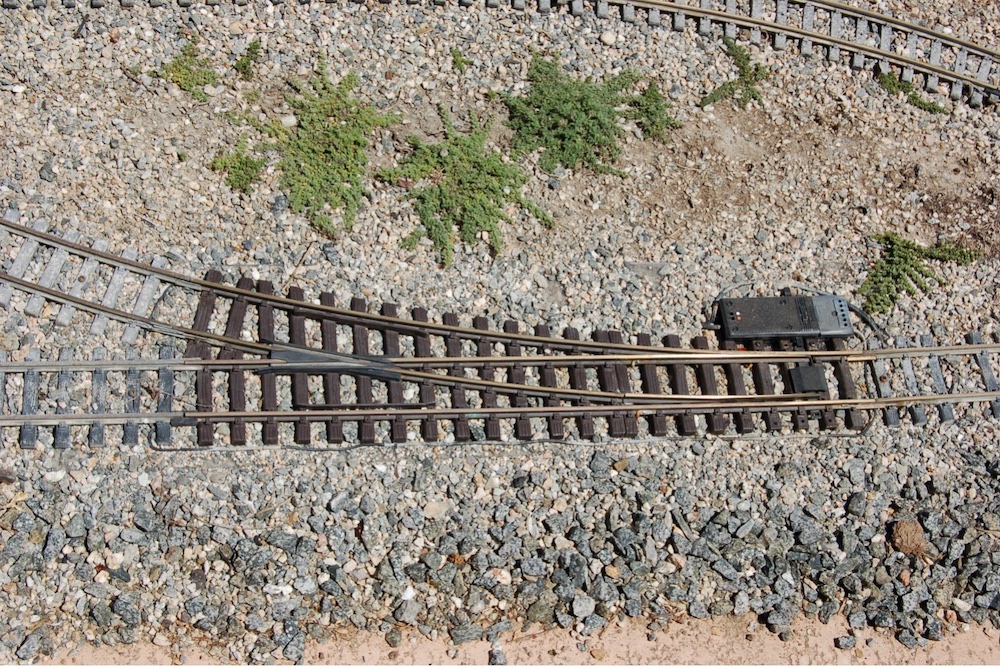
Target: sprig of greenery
[[245, 65], [894, 86], [744, 84], [468, 187], [578, 122], [241, 169], [323, 157], [459, 62], [901, 268], [649, 111], [189, 72]]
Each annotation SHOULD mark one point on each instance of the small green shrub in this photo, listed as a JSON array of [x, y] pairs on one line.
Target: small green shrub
[[468, 188], [459, 62], [649, 111], [578, 122], [252, 96], [241, 169], [245, 65], [744, 84], [901, 268], [189, 72], [894, 86], [323, 157]]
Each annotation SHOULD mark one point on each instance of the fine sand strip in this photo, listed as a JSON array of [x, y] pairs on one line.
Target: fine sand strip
[[721, 641]]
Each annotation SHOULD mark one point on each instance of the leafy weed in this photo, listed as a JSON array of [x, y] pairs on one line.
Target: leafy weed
[[894, 86], [190, 72], [902, 268], [467, 187], [242, 170], [323, 157], [744, 84]]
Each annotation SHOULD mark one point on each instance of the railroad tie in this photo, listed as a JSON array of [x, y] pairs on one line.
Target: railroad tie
[[363, 383], [112, 293], [705, 23], [53, 272], [730, 30], [515, 373], [300, 380], [391, 349], [422, 346], [735, 385], [781, 18], [756, 12], [547, 378], [763, 383], [484, 349], [917, 413], [165, 394], [946, 411], [79, 283], [827, 417], [98, 399], [144, 302], [237, 377], [331, 380], [624, 386], [4, 357], [705, 374], [453, 347], [808, 20], [29, 402], [130, 432], [656, 422], [989, 378], [60, 434], [608, 380], [578, 381], [881, 378], [800, 419], [21, 261], [686, 424], [268, 382], [853, 418]]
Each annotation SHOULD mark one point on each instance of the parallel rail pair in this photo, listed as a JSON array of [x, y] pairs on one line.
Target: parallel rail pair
[[259, 368], [818, 27]]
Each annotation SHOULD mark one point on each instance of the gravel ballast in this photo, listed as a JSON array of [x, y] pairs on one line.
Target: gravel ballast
[[256, 553]]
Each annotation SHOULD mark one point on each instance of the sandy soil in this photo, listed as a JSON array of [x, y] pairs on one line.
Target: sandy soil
[[721, 641]]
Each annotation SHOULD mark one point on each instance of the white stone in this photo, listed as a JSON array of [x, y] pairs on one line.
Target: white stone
[[608, 38]]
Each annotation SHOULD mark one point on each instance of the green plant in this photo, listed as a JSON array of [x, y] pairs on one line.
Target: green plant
[[468, 188], [190, 72], [459, 62], [323, 157], [744, 84], [246, 62], [577, 122], [649, 111], [182, 156], [902, 268], [894, 86], [241, 169], [252, 96]]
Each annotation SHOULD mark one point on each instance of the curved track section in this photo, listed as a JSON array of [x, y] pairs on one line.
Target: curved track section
[[818, 27]]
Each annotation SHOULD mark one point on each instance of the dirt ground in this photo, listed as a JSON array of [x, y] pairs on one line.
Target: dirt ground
[[722, 641]]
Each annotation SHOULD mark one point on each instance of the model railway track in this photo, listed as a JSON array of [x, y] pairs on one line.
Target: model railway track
[[258, 368], [818, 27]]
